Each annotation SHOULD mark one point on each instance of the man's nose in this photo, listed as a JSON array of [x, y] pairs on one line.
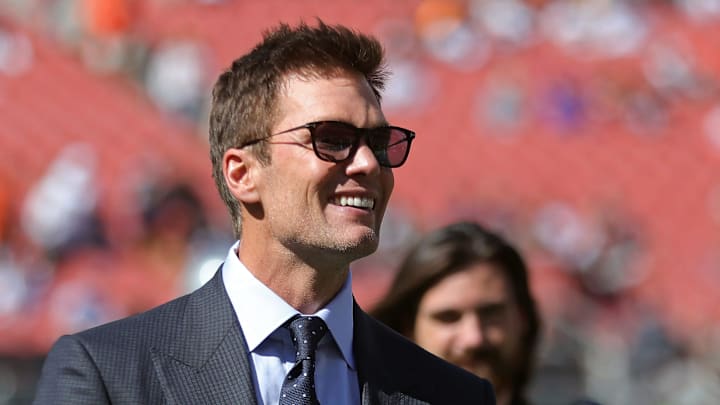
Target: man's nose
[[364, 160], [471, 333]]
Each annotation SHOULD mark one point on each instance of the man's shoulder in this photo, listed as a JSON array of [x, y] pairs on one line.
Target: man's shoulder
[[419, 373], [110, 360], [145, 327], [418, 359], [165, 320]]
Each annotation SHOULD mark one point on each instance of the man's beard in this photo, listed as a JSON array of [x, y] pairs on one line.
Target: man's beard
[[489, 364]]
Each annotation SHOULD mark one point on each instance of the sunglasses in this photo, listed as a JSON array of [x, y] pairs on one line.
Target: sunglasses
[[335, 141]]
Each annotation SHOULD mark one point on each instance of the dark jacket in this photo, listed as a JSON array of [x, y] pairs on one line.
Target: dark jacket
[[192, 351]]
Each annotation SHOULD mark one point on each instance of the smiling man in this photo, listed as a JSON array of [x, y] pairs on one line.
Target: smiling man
[[303, 156]]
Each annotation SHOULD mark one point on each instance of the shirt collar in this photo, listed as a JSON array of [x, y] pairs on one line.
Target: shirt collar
[[247, 294]]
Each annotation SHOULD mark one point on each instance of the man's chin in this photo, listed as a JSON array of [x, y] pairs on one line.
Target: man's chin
[[483, 370], [361, 238], [351, 246], [363, 246], [487, 372]]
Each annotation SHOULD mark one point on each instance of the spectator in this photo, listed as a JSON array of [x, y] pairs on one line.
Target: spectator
[[462, 293]]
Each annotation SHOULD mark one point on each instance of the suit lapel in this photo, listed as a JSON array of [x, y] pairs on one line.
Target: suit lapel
[[208, 362], [376, 386]]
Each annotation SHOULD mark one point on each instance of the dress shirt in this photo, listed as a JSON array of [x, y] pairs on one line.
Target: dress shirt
[[262, 313]]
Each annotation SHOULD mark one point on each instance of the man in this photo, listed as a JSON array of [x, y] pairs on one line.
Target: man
[[462, 293], [303, 156]]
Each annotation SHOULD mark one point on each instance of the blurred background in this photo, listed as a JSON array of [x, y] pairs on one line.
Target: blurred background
[[586, 131]]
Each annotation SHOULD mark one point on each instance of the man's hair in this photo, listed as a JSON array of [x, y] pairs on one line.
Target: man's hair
[[449, 250], [245, 96]]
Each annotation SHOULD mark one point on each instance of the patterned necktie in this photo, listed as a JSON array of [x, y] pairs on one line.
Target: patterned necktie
[[299, 385]]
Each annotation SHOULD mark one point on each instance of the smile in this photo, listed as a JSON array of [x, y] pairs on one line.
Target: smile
[[356, 202]]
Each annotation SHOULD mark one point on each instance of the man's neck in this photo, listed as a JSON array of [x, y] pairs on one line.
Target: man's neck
[[302, 285]]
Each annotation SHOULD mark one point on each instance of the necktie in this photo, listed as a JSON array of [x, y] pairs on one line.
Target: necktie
[[299, 385]]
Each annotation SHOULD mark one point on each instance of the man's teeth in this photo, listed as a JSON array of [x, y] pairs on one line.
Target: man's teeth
[[359, 202]]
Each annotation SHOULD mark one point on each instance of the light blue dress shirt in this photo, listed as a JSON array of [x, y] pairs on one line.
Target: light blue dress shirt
[[262, 313]]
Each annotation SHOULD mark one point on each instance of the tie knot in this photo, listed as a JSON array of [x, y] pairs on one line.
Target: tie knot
[[306, 332]]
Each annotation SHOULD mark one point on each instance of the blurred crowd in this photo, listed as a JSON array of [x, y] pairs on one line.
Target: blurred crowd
[[62, 269]]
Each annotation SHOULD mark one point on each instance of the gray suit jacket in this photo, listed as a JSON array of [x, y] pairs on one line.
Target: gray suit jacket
[[192, 351]]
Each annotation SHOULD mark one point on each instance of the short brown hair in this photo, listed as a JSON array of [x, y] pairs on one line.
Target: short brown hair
[[244, 104]]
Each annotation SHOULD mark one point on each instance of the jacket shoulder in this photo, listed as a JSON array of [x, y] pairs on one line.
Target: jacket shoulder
[[108, 363], [158, 326], [154, 324], [418, 373]]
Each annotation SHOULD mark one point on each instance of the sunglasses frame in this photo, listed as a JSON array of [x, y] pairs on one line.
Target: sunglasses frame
[[361, 133]]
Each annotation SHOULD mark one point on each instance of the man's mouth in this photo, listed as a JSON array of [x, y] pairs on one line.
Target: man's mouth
[[355, 202]]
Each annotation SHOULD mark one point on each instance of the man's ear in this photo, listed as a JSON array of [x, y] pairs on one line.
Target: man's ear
[[240, 171]]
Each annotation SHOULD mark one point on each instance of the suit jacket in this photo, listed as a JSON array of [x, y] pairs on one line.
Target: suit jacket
[[192, 351]]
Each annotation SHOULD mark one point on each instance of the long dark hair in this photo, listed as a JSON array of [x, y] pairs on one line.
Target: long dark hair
[[446, 251]]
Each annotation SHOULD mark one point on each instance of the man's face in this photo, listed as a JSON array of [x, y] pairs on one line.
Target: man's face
[[301, 194], [471, 319]]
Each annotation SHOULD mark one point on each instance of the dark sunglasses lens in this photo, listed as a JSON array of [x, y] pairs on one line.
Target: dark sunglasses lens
[[390, 146], [333, 141]]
